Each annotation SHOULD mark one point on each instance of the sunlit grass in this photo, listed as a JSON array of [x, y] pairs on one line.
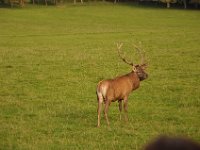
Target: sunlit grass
[[51, 59]]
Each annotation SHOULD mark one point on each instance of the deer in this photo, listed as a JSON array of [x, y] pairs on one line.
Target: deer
[[119, 88]]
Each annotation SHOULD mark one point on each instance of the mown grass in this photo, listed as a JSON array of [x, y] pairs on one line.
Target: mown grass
[[51, 59]]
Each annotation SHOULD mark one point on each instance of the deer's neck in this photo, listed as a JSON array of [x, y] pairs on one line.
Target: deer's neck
[[135, 80], [134, 76]]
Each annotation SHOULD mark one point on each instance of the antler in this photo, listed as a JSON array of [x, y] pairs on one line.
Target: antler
[[122, 57], [141, 53]]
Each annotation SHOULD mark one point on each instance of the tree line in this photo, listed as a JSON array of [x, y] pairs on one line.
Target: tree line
[[21, 3]]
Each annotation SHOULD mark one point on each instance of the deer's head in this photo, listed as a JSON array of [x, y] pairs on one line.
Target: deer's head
[[139, 69]]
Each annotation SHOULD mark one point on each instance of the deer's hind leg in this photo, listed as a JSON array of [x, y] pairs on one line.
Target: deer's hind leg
[[100, 101], [107, 104]]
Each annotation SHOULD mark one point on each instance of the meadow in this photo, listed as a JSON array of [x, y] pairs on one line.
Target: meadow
[[51, 59]]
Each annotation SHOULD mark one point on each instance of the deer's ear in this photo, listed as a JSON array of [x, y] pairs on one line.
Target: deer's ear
[[134, 68]]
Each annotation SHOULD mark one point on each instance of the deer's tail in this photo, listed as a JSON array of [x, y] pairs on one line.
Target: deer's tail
[[102, 88]]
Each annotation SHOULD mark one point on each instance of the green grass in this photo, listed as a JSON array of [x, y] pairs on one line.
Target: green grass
[[51, 59]]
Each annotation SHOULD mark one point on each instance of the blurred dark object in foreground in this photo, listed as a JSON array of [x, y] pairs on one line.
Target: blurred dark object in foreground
[[172, 143]]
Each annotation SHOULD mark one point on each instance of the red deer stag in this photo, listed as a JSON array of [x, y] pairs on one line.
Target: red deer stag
[[119, 88]]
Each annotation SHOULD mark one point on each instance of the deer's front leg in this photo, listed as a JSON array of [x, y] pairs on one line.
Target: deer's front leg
[[120, 109], [126, 108]]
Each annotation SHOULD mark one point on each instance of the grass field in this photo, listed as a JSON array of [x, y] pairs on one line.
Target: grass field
[[51, 59]]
